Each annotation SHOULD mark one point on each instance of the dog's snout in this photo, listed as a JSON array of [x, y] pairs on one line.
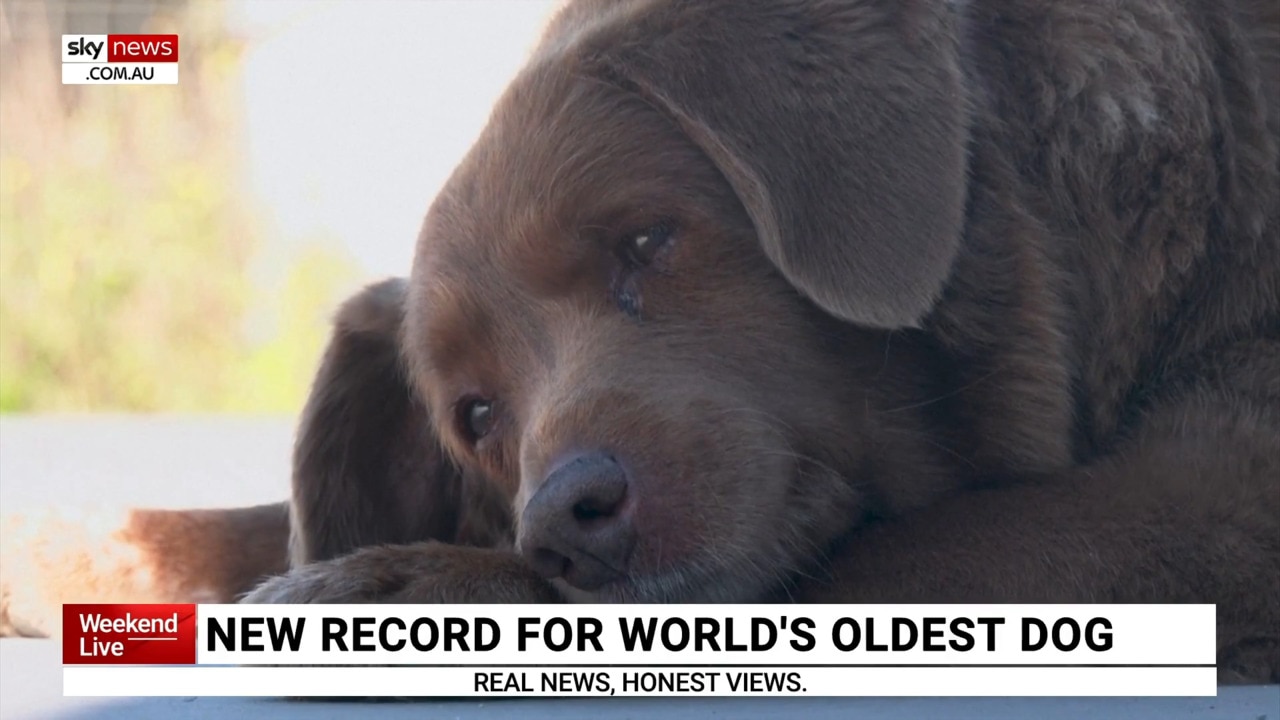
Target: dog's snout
[[575, 526]]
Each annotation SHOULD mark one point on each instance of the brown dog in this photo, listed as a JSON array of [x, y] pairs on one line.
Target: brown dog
[[860, 300]]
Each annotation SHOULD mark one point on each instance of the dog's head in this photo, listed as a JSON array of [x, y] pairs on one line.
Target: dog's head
[[652, 306]]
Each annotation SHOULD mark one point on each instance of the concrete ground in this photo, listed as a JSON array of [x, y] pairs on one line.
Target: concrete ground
[[211, 462]]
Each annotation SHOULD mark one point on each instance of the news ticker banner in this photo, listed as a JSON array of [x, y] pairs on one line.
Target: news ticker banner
[[639, 650], [119, 59]]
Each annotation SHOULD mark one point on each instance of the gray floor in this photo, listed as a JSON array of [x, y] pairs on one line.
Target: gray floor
[[186, 462]]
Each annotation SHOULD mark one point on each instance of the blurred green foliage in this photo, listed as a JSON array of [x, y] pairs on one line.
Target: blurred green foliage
[[127, 243]]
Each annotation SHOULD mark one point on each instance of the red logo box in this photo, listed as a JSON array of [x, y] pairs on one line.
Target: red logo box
[[128, 634], [142, 48]]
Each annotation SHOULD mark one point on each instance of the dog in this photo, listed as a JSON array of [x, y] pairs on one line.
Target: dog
[[885, 301]]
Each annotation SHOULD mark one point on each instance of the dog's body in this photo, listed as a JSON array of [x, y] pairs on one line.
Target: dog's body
[[845, 301]]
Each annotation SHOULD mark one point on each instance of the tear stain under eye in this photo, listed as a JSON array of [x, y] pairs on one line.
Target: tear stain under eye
[[625, 289], [626, 294]]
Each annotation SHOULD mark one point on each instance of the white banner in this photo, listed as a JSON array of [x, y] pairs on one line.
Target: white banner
[[706, 635], [83, 73], [175, 681]]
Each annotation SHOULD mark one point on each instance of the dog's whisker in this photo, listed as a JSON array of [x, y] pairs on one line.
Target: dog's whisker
[[944, 396], [927, 439]]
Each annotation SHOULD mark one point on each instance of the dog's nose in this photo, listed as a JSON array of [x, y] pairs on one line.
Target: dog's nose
[[575, 525]]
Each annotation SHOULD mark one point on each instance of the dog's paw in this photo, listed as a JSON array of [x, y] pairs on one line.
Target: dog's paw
[[423, 573]]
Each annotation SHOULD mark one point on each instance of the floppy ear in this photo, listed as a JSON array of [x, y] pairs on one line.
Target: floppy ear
[[367, 466], [841, 126]]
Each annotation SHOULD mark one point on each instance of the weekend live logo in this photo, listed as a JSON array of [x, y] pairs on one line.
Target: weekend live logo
[[129, 634], [119, 59], [638, 651]]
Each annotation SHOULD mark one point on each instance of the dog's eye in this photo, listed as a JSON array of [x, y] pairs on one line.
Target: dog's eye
[[639, 248], [475, 418]]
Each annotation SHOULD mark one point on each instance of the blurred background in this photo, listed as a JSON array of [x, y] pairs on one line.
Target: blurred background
[[170, 256], [179, 249]]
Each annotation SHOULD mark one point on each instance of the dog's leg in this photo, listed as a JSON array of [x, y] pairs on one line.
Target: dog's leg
[[430, 572], [1187, 511], [135, 556]]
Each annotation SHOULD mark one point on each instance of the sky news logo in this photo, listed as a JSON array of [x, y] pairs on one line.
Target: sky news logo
[[119, 59]]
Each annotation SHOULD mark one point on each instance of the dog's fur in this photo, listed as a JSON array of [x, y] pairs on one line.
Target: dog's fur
[[970, 301]]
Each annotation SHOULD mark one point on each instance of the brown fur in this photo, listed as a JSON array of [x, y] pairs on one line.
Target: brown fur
[[103, 555], [964, 302]]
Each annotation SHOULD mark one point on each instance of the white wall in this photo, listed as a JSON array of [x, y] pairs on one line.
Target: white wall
[[359, 110]]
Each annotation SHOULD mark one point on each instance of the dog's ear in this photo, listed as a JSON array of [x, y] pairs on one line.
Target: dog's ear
[[367, 467], [841, 126]]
